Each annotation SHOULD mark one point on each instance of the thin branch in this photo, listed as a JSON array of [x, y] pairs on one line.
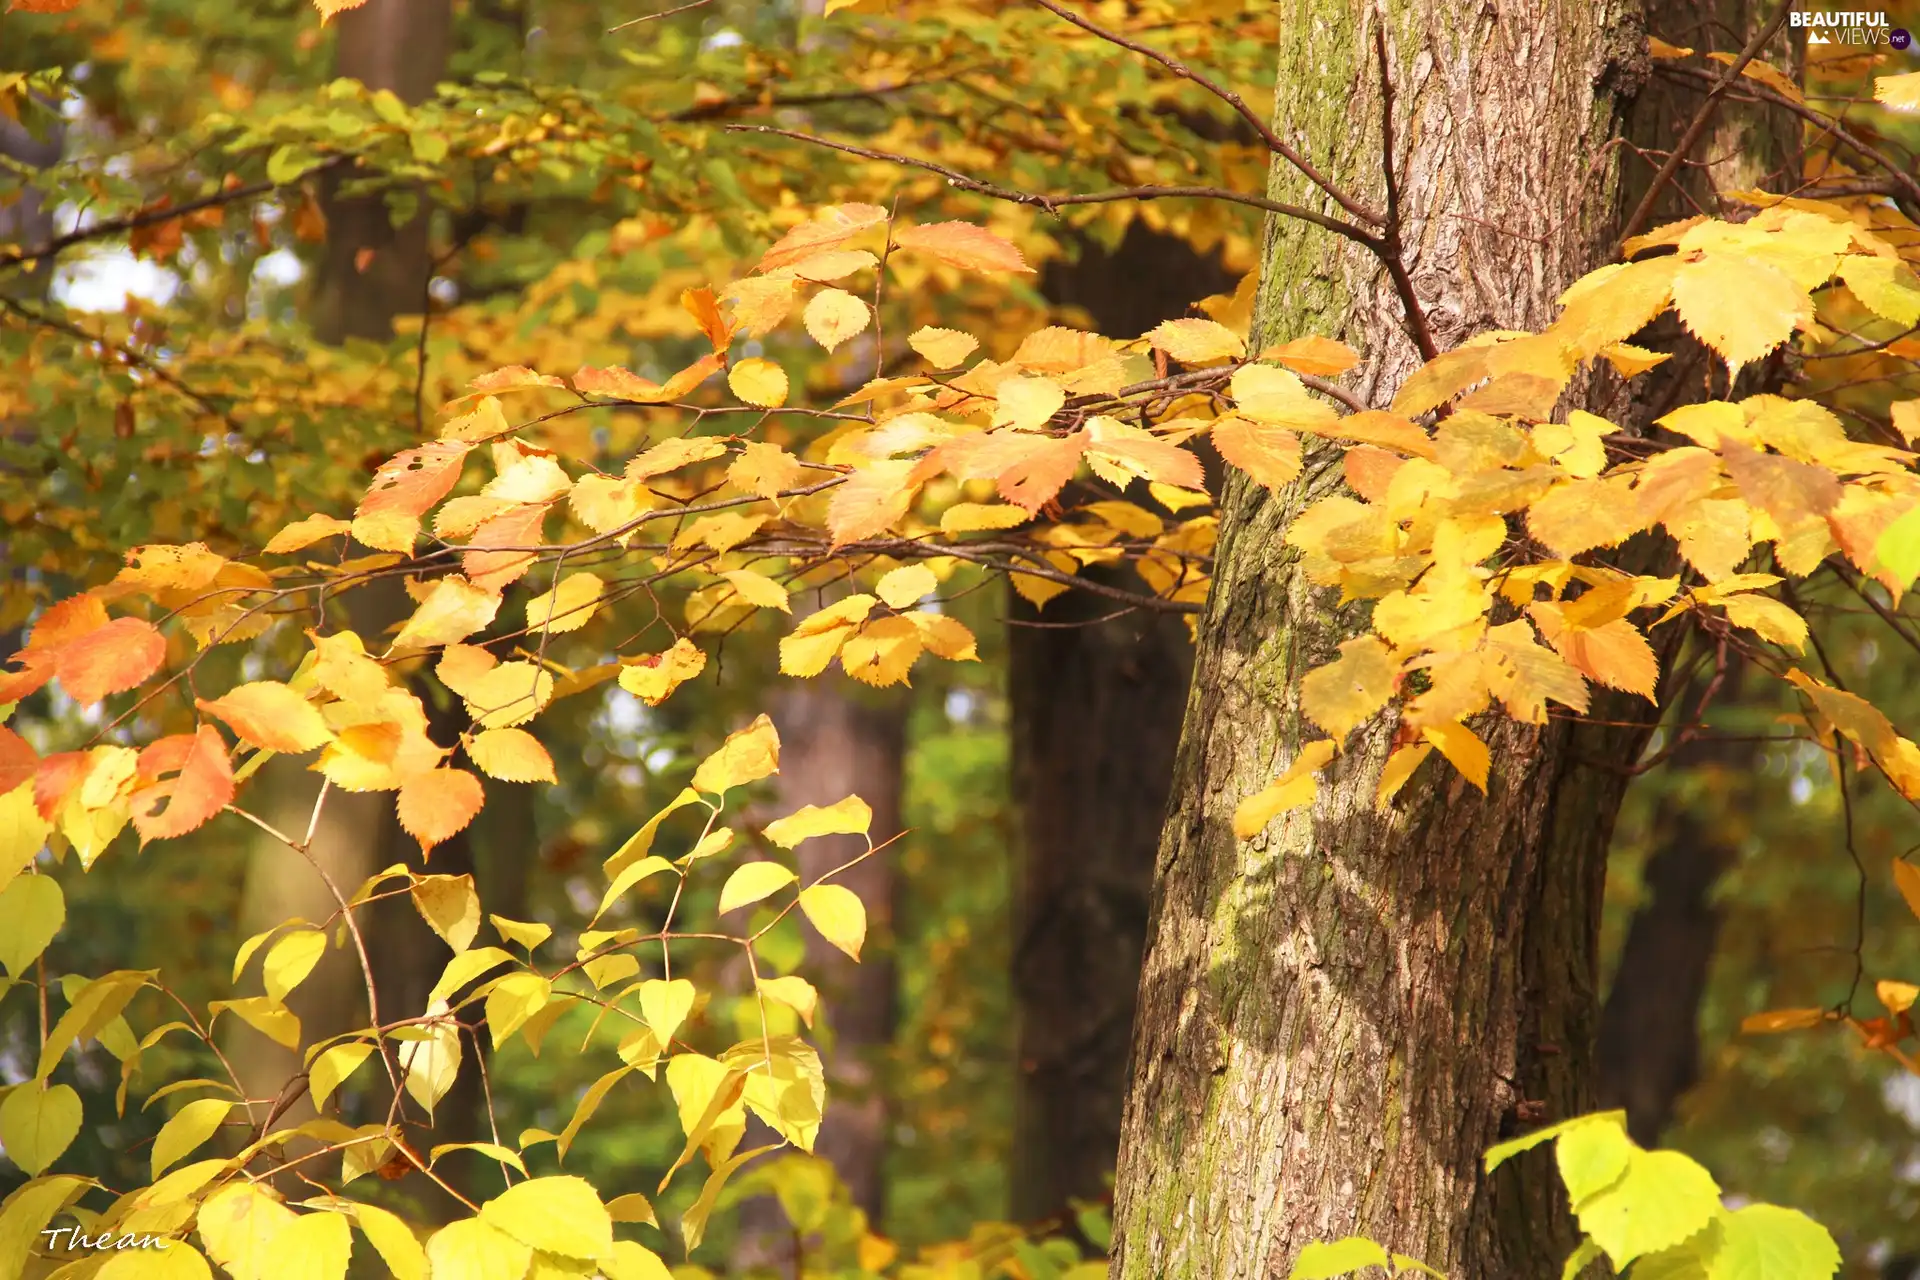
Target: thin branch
[[154, 217], [1274, 141], [132, 358], [1051, 203], [1391, 251], [650, 17], [1698, 125]]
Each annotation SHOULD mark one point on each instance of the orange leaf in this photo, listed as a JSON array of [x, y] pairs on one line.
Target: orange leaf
[[1271, 455], [705, 310], [110, 659], [59, 6], [1316, 355], [1906, 877], [202, 786], [438, 804], [412, 481], [513, 377], [270, 715], [829, 228], [327, 9], [18, 760], [963, 245], [1033, 481], [623, 384], [871, 500], [67, 621], [517, 529], [1782, 1020], [1616, 654]]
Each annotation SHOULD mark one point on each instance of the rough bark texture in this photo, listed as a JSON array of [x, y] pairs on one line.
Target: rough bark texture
[[837, 740], [1096, 704], [1339, 1015]]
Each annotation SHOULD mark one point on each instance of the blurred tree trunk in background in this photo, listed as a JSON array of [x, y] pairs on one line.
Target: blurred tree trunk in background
[[370, 273], [839, 739], [1648, 1054], [1096, 703]]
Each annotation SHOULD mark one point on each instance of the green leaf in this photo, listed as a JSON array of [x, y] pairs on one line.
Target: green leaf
[[561, 1214], [1325, 1259], [286, 164], [1661, 1200], [188, 1127], [32, 909], [1767, 1242]]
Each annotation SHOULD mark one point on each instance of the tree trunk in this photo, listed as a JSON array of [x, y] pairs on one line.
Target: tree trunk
[[1338, 1016], [401, 46], [1096, 704], [837, 740]]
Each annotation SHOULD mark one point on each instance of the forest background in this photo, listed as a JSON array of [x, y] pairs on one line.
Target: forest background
[[598, 173]]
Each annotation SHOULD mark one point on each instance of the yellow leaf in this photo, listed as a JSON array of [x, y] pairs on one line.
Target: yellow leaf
[[450, 906], [520, 932], [906, 586], [837, 913], [1886, 285], [628, 1260], [568, 606], [238, 1224], [751, 882], [1322, 357], [331, 1068], [1901, 92], [270, 715], [833, 316], [475, 1250], [1898, 997], [1196, 341], [513, 1000], [1278, 398], [32, 910], [1769, 618], [462, 969], [765, 470], [1740, 307], [652, 678], [871, 500], [671, 455], [850, 816], [186, 1129], [834, 264], [314, 1246], [1782, 1020], [759, 382], [452, 611], [1463, 750], [1026, 404], [758, 590], [23, 832], [795, 992], [1906, 877], [271, 1020], [882, 651], [604, 504], [39, 1122], [1270, 454], [328, 8], [431, 1064], [1399, 767], [747, 755], [1345, 692], [962, 245], [665, 1005], [511, 755], [289, 961], [303, 533], [1292, 789], [942, 348], [393, 1240]]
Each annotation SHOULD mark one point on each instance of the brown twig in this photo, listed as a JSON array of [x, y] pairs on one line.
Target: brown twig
[[1051, 203], [1391, 251], [1274, 141]]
